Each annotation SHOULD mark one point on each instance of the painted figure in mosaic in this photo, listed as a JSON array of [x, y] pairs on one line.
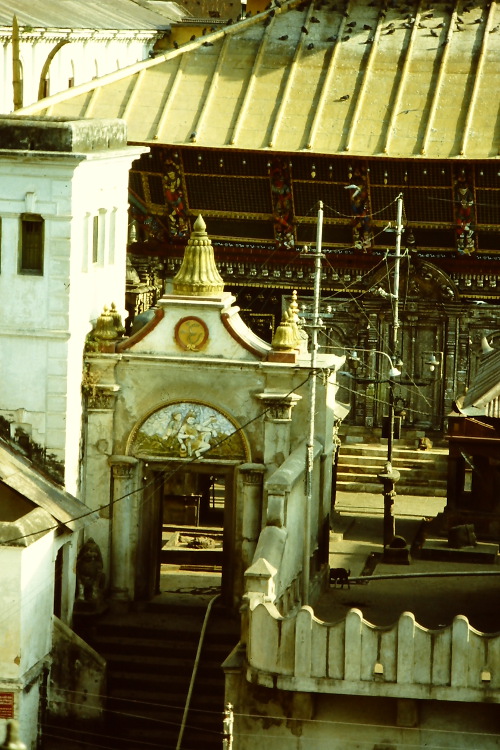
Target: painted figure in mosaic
[[282, 204], [194, 438], [187, 429], [464, 216], [361, 223], [172, 430], [174, 199]]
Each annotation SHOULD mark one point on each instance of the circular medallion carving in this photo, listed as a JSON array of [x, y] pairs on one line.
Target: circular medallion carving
[[191, 334]]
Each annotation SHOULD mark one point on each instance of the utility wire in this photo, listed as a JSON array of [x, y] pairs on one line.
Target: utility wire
[[166, 473]]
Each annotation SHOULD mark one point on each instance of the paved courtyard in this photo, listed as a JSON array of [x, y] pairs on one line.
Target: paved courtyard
[[356, 544]]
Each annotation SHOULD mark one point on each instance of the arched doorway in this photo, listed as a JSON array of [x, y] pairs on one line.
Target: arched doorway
[[189, 451]]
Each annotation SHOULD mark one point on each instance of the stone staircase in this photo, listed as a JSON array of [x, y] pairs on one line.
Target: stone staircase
[[362, 457], [150, 656]]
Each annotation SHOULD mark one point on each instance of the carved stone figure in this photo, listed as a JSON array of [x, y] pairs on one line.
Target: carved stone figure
[[90, 576]]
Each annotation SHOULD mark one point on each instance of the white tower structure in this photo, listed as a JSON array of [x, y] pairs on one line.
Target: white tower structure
[[63, 226]]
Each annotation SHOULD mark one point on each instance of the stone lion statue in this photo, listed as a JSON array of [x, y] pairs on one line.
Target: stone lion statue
[[89, 573]]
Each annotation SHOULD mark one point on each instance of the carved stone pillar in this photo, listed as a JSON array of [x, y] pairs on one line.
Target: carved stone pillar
[[248, 520], [277, 426], [125, 526], [251, 477]]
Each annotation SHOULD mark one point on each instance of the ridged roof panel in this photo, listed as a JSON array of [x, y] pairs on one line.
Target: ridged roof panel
[[91, 14], [361, 78]]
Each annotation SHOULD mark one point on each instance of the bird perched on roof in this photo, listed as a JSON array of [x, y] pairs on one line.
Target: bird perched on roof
[[192, 38], [459, 20], [310, 45], [283, 38], [304, 30], [208, 44], [343, 98], [192, 137], [313, 19], [176, 45], [495, 28], [366, 27], [391, 31], [332, 38], [355, 188], [477, 20], [346, 38], [370, 40], [351, 25], [433, 33]]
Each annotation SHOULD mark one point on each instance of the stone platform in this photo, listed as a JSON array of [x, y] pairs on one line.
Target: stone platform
[[438, 549]]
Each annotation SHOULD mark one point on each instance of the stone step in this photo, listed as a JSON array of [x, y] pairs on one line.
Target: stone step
[[402, 452], [150, 656], [367, 465], [407, 474], [421, 472], [375, 487]]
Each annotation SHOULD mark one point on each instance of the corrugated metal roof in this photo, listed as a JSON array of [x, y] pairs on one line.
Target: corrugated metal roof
[[20, 475], [361, 79], [74, 14]]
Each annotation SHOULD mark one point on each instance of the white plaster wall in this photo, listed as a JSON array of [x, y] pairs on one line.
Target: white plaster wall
[[360, 723], [26, 606], [83, 58], [10, 614], [37, 600], [45, 324]]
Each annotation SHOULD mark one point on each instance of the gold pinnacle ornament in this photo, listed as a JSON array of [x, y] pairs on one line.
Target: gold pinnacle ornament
[[198, 274]]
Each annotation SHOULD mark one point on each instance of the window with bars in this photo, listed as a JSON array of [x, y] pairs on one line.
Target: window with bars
[[235, 194], [32, 241]]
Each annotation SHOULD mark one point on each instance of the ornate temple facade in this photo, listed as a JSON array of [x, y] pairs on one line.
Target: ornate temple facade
[[253, 122]]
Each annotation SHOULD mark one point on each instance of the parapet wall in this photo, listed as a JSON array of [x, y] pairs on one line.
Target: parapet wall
[[354, 657]]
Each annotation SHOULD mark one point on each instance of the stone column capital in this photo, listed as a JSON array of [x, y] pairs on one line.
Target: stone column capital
[[122, 466], [252, 473], [279, 405]]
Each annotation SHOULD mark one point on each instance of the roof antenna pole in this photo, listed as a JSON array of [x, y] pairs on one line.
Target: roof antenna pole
[[316, 325]]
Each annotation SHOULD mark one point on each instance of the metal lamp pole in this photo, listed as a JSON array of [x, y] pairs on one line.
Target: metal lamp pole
[[390, 476], [312, 409]]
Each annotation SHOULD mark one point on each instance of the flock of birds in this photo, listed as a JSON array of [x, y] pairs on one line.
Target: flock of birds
[[407, 21]]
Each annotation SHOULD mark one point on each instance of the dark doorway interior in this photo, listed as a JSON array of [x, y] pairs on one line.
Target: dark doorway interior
[[196, 519]]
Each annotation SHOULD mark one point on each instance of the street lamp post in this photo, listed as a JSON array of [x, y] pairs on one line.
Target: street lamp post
[[390, 476]]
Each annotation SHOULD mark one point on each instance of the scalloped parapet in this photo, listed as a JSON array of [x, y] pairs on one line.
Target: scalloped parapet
[[456, 663]]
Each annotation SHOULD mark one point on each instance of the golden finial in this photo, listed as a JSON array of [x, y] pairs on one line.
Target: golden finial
[[105, 329], [285, 338], [117, 321], [198, 274], [294, 307]]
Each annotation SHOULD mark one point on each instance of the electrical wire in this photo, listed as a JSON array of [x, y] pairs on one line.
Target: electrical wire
[[253, 715], [166, 473]]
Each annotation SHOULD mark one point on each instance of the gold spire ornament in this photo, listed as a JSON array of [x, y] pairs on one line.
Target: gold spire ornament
[[285, 337], [198, 275], [105, 329]]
